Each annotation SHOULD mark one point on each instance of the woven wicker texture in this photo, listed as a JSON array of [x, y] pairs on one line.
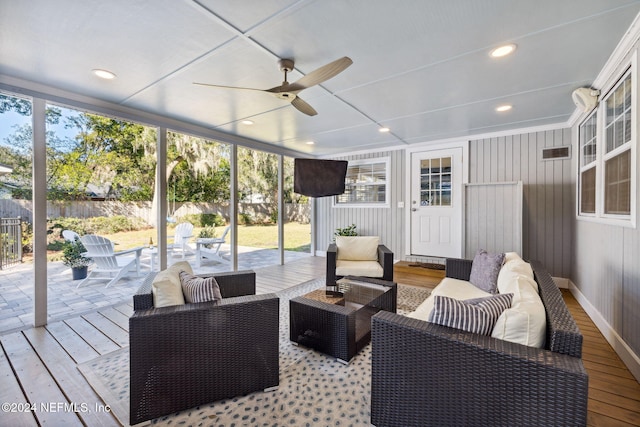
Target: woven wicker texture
[[336, 330], [429, 375], [184, 356]]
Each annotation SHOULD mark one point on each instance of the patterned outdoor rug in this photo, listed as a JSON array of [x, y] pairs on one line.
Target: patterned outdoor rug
[[314, 388]]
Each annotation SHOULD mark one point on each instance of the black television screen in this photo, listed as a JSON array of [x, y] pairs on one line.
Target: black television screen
[[319, 178]]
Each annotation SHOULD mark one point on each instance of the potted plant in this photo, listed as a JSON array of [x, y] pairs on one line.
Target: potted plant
[[72, 257], [346, 231]]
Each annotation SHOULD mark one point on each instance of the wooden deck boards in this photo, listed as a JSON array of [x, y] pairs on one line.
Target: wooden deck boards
[[40, 364]]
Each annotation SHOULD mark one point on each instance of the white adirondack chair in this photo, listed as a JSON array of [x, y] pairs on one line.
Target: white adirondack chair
[[183, 232], [70, 236], [109, 265], [212, 252]]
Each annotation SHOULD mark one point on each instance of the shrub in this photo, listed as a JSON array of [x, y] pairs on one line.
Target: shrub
[[95, 225], [207, 232], [115, 224], [27, 237], [245, 218], [346, 231], [72, 254], [204, 219], [273, 216]]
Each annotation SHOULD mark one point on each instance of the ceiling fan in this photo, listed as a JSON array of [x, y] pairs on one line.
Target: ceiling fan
[[289, 91]]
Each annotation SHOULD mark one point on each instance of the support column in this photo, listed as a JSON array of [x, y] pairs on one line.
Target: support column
[[281, 207], [161, 191], [233, 206], [39, 184]]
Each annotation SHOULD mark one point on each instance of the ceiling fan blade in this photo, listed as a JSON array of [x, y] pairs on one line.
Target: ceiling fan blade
[[229, 87], [303, 107], [321, 74]]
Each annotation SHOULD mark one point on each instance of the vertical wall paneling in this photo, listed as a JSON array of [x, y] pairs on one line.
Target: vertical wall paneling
[[605, 266], [493, 217], [630, 319], [388, 223], [546, 231]]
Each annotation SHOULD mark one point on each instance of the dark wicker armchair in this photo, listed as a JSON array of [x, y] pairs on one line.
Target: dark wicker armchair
[[385, 259], [188, 355], [425, 374]]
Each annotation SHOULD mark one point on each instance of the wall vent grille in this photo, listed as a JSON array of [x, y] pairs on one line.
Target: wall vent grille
[[556, 153]]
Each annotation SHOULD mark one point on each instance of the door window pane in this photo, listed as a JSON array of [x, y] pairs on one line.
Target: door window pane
[[435, 182]]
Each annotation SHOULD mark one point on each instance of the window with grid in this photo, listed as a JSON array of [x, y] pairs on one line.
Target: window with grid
[[617, 155], [606, 168], [587, 134], [366, 184]]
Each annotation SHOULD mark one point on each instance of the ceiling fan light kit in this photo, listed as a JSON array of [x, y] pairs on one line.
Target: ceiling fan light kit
[[289, 91]]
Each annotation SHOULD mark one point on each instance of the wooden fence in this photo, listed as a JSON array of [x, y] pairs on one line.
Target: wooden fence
[[10, 208]]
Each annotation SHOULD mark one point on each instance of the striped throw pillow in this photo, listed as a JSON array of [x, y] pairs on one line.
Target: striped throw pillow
[[199, 289], [478, 315]]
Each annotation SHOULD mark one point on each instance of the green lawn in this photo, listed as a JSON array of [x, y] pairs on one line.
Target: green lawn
[[297, 236]]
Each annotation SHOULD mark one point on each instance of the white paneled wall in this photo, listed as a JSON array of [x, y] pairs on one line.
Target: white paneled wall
[[548, 208], [388, 223], [493, 217]]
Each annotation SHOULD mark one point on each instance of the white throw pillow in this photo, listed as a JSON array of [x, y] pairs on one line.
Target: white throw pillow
[[166, 287], [510, 256], [525, 322], [512, 269], [448, 287], [357, 248]]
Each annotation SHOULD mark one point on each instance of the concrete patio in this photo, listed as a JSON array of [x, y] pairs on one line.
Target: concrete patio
[[64, 300]]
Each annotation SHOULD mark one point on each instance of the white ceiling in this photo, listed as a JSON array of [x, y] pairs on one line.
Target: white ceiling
[[420, 67]]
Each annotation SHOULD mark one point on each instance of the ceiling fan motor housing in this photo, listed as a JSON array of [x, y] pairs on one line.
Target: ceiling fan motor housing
[[286, 65]]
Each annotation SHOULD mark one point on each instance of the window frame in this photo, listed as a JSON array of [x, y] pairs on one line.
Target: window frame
[[591, 165], [387, 182], [624, 220]]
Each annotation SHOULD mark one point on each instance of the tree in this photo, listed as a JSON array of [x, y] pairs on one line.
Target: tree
[[201, 158]]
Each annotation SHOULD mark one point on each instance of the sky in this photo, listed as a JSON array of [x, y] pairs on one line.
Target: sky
[[10, 119], [7, 121]]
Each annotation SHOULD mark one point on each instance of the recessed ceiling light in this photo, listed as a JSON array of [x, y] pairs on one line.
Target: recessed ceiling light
[[104, 74], [384, 129], [502, 108], [309, 142], [247, 122], [501, 51]]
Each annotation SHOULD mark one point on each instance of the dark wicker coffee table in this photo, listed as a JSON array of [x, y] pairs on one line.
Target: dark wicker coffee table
[[341, 326]]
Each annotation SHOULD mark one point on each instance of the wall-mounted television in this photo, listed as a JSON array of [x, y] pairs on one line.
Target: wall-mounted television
[[319, 178]]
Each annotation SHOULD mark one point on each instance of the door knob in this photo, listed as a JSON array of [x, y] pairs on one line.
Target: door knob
[[414, 209]]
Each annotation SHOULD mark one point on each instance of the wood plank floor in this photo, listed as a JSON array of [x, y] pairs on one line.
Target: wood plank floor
[[38, 366]]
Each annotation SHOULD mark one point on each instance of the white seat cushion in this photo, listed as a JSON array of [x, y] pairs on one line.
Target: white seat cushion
[[166, 286], [448, 287], [357, 248], [359, 268], [525, 322]]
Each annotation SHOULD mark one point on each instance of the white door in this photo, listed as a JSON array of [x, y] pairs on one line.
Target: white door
[[436, 203]]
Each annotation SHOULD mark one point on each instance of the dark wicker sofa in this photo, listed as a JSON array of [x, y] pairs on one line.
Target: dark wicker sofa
[[425, 374], [188, 355]]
